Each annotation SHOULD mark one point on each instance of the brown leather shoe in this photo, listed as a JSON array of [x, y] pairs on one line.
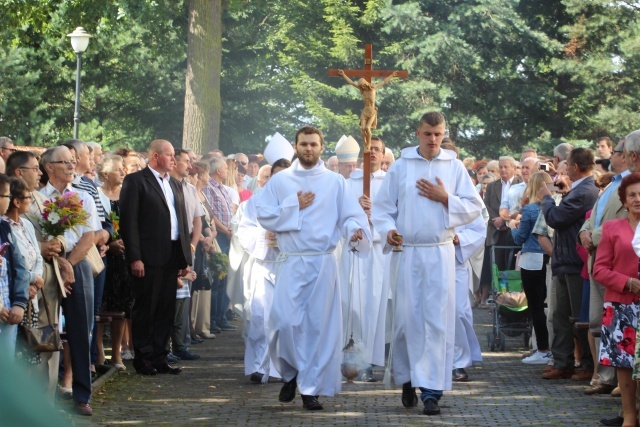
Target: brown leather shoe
[[582, 376], [556, 374], [599, 388], [83, 408], [616, 392], [548, 368]]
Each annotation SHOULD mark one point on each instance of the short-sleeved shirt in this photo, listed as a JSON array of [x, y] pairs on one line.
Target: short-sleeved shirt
[[219, 201], [191, 203]]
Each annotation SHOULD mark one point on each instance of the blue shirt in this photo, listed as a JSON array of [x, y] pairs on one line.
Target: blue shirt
[[606, 194]]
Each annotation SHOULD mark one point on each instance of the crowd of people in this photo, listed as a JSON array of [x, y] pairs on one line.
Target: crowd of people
[[319, 272]]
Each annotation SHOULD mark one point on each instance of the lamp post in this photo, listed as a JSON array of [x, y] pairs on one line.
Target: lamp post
[[79, 42]]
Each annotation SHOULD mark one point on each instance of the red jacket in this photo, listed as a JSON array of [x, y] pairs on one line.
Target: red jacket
[[616, 261]]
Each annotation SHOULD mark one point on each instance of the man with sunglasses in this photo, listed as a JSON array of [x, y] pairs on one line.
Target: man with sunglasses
[[606, 208]]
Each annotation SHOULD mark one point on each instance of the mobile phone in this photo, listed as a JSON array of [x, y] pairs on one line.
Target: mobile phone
[[552, 187], [544, 167], [4, 247]]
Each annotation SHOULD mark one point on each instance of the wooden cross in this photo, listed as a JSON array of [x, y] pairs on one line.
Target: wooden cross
[[367, 74]]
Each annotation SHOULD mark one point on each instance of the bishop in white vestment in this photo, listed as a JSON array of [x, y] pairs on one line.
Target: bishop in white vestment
[[424, 196], [310, 208]]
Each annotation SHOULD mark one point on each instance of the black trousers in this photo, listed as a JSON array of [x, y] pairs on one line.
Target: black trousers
[[153, 311], [535, 288]]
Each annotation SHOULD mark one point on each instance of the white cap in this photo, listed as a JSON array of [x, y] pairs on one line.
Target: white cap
[[278, 148], [347, 149]]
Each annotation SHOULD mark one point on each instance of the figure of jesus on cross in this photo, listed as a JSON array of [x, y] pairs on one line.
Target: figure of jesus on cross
[[369, 116]]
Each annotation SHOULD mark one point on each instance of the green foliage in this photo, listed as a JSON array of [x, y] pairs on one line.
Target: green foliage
[[507, 74]]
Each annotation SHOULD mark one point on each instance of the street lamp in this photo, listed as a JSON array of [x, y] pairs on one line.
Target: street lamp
[[79, 42]]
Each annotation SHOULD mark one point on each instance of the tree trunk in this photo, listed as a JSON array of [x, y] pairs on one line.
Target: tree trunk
[[202, 103]]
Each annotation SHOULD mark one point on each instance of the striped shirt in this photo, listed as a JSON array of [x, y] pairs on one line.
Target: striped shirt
[[83, 183]]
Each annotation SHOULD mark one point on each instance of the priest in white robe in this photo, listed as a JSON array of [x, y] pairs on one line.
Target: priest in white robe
[[469, 239], [364, 302], [309, 208], [424, 196]]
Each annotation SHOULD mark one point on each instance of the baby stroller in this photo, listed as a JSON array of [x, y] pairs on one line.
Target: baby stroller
[[509, 305]]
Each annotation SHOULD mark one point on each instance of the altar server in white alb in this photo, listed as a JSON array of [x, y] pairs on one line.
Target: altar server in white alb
[[469, 239], [309, 208], [260, 281], [425, 195], [364, 302]]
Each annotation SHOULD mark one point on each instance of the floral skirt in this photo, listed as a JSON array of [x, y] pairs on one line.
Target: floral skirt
[[618, 338]]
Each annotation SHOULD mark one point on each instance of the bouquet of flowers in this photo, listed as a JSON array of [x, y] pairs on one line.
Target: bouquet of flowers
[[62, 213], [115, 220], [218, 263]]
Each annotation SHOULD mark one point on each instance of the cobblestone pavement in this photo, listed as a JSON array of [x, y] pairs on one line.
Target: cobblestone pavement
[[213, 391]]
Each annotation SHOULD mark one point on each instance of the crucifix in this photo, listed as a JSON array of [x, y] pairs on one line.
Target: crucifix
[[369, 116]]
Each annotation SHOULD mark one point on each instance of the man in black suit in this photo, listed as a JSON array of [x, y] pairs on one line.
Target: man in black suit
[[156, 237]]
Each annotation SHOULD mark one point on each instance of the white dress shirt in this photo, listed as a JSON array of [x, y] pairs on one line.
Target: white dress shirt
[[169, 198]]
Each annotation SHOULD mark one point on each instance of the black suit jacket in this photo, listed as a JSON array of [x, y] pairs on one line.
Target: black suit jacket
[[492, 200], [145, 222]]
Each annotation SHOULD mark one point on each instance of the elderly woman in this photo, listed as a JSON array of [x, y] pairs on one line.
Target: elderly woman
[[533, 267], [118, 296], [201, 287], [616, 268], [25, 237]]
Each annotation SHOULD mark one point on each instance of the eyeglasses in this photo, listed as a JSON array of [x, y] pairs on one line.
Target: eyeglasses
[[618, 151], [13, 150], [6, 196], [65, 162], [35, 168], [244, 163], [376, 149]]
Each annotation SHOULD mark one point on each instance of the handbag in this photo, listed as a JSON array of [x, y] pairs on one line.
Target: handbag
[[94, 259], [42, 339]]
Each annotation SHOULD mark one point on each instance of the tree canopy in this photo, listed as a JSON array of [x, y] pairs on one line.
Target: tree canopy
[[506, 73]]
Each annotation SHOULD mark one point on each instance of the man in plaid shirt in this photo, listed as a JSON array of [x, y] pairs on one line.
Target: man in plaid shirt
[[221, 211]]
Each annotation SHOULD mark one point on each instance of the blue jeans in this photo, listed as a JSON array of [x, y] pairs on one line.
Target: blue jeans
[[219, 299], [8, 335], [427, 393]]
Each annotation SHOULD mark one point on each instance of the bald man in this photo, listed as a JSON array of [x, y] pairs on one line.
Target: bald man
[[387, 160], [155, 232]]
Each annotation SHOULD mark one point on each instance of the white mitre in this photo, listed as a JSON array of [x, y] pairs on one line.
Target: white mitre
[[347, 149], [278, 148]]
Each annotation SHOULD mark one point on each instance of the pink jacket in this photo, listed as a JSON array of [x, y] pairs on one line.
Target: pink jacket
[[616, 261]]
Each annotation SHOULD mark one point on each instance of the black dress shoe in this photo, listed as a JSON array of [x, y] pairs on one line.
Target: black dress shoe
[[460, 374], [168, 369], [256, 377], [409, 396], [288, 391], [311, 403], [615, 421], [431, 407], [146, 370]]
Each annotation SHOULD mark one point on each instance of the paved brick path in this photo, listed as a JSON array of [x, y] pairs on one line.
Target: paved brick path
[[213, 391]]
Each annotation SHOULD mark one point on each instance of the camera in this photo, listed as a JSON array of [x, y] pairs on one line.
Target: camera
[[544, 167]]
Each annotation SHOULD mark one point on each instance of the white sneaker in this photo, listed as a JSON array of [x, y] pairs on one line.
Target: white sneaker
[[127, 355], [537, 358]]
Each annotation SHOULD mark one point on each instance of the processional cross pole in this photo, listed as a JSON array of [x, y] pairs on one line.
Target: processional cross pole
[[369, 116]]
